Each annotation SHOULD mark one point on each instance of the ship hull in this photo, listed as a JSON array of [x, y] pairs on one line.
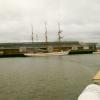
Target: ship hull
[[46, 54], [80, 51]]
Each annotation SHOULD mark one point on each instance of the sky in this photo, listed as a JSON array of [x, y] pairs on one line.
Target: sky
[[79, 20]]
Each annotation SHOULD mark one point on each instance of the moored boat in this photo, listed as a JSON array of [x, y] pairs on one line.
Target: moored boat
[[81, 51]]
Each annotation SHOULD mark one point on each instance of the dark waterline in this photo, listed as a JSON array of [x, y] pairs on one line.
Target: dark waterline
[[46, 78]]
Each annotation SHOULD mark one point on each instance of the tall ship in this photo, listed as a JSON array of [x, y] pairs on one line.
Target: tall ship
[[48, 50]]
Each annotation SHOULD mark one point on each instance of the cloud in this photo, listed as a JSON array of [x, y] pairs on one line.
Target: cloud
[[80, 19]]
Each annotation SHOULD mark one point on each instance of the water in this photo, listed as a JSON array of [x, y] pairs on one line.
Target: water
[[46, 78]]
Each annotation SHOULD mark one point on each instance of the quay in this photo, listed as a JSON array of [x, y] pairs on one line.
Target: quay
[[96, 78], [8, 52], [18, 49]]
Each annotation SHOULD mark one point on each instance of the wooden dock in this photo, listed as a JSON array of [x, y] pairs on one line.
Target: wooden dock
[[96, 78]]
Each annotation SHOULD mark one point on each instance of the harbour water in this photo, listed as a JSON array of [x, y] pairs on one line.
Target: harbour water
[[46, 78]]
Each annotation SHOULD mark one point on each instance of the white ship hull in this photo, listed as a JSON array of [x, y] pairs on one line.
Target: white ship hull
[[46, 54]]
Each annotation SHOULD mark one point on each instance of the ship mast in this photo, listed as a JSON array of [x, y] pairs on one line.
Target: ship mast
[[59, 36], [32, 35], [46, 37]]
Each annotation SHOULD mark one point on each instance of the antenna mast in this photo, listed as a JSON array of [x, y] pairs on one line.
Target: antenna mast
[[59, 36]]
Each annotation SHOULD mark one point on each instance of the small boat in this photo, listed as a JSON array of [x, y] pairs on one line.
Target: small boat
[[92, 91]]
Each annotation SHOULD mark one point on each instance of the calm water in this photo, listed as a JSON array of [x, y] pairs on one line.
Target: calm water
[[46, 78]]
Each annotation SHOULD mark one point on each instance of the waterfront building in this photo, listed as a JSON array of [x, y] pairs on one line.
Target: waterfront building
[[52, 46]]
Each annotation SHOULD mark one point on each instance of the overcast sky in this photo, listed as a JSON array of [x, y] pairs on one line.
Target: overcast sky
[[79, 19]]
